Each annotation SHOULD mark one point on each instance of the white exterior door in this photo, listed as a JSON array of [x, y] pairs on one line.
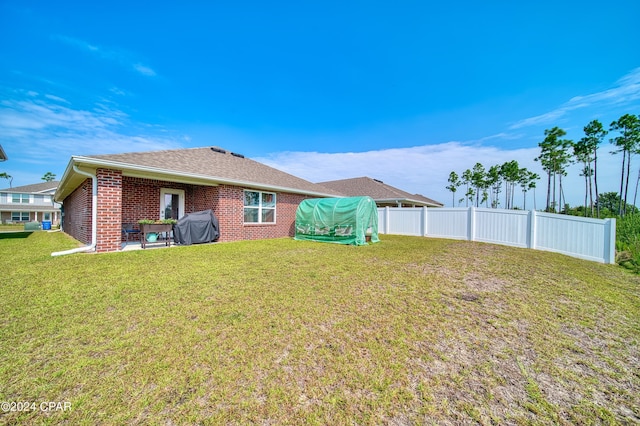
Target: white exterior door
[[171, 203]]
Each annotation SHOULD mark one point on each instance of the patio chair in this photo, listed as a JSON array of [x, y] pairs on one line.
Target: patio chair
[[128, 229]]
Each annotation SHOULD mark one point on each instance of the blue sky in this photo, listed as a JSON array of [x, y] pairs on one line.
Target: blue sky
[[404, 93]]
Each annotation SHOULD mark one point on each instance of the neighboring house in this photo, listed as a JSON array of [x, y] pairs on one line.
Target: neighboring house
[[384, 195], [3, 155], [29, 203], [251, 200]]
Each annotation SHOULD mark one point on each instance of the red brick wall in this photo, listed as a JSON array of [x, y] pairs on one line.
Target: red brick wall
[[123, 199], [77, 213], [204, 198], [230, 213], [109, 210], [141, 198]]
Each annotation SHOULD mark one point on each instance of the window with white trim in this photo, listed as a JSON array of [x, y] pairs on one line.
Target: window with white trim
[[259, 207], [20, 216], [20, 198]]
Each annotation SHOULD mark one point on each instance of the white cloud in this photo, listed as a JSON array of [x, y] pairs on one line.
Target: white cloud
[[549, 117], [625, 91], [56, 98], [49, 133], [144, 70], [419, 169], [120, 56], [80, 44], [425, 169], [118, 91]]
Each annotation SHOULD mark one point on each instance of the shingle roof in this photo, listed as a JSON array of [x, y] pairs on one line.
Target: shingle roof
[[208, 164], [428, 200], [377, 190], [36, 187]]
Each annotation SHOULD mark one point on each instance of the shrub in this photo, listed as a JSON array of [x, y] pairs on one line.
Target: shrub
[[628, 241]]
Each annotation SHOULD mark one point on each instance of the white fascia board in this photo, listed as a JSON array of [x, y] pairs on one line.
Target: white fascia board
[[65, 176]]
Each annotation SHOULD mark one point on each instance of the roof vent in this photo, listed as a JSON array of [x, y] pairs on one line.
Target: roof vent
[[216, 149], [235, 154], [378, 180]]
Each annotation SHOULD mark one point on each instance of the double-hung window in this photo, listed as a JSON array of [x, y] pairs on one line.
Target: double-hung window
[[20, 216], [20, 198], [259, 207]]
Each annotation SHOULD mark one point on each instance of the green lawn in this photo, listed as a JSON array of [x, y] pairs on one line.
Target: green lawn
[[407, 331]]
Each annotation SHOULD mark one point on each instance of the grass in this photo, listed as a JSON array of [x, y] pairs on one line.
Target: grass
[[410, 330], [11, 228], [16, 227]]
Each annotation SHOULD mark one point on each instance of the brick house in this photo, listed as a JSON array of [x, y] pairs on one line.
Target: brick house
[[100, 193]]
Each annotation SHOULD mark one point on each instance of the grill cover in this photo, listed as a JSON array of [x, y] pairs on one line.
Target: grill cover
[[198, 227]]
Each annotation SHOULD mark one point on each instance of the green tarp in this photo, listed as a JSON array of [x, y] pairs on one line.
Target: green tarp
[[338, 220]]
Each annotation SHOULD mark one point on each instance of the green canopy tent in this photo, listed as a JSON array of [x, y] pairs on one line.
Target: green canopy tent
[[338, 220]]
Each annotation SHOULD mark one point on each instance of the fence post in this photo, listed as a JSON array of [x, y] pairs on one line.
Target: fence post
[[424, 221], [386, 220], [531, 227], [610, 241], [471, 232]]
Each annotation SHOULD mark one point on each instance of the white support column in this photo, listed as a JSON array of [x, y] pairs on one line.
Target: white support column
[[424, 220], [531, 227], [386, 220], [610, 241], [471, 236]]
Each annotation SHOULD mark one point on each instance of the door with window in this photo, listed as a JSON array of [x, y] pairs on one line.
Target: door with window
[[171, 203]]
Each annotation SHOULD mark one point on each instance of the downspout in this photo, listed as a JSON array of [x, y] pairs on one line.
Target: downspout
[[94, 216]]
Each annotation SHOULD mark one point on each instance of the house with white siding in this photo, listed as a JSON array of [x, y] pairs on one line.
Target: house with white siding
[[30, 203]]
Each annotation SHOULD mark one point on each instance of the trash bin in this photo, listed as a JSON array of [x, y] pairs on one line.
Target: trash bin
[[46, 225]]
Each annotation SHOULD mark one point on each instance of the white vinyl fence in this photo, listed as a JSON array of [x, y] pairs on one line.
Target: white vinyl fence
[[585, 238]]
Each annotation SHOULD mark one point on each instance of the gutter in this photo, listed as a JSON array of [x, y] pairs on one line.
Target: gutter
[[94, 217]]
